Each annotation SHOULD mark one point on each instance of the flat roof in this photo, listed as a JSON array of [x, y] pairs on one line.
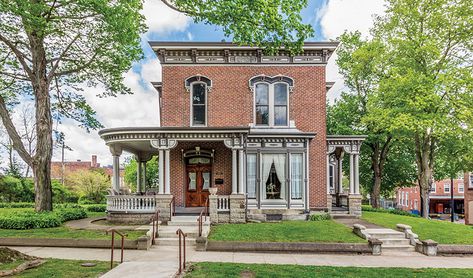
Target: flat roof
[[178, 45]]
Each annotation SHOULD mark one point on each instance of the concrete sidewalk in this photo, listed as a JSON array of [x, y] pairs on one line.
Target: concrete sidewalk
[[162, 261]]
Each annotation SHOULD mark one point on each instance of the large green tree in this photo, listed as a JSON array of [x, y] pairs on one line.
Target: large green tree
[[363, 64], [428, 95], [131, 173], [50, 49]]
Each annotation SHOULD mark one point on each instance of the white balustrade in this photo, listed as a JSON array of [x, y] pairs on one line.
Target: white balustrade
[[223, 203], [131, 203]]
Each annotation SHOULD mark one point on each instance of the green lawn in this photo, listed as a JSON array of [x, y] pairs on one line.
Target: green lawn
[[285, 231], [217, 270], [61, 268], [64, 232], [8, 211], [440, 231]]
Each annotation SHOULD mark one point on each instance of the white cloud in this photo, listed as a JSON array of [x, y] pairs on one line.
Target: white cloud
[[335, 17], [151, 70], [340, 15], [161, 19]]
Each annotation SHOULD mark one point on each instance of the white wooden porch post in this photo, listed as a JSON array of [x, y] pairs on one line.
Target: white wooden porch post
[[138, 174], [352, 174], [240, 172], [143, 177], [234, 172], [328, 173], [357, 174], [167, 188], [340, 174], [161, 171]]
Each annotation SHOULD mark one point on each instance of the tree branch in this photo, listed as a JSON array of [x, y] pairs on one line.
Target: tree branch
[[77, 69], [59, 59], [21, 57], [13, 133], [176, 8]]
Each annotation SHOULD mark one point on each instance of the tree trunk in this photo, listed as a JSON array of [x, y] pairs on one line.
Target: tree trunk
[[42, 159], [375, 197], [424, 162]]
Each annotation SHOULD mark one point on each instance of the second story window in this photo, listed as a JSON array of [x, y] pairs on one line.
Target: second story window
[[198, 86], [271, 99], [199, 102]]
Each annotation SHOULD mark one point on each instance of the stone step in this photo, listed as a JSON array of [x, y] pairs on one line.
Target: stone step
[[187, 223], [343, 216], [174, 241], [395, 241], [170, 232], [403, 248], [385, 233]]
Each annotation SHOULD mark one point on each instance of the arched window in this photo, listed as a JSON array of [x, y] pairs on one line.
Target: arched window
[[271, 98], [198, 86]]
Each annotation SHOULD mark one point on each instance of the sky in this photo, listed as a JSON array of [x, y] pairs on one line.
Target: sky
[[330, 18]]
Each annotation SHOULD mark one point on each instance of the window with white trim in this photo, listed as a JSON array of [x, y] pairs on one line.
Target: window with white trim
[[198, 86], [251, 175], [271, 100], [446, 187], [433, 188], [415, 205], [461, 188], [471, 182], [297, 175], [407, 199], [402, 199]]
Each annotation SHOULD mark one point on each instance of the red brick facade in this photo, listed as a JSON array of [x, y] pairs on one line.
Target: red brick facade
[[230, 104], [408, 198]]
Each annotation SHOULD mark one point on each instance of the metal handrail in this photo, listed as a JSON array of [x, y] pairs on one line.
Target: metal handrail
[[113, 231], [203, 213], [182, 259], [172, 208], [155, 224]]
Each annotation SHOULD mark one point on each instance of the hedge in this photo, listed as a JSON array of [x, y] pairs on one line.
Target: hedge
[[17, 205], [32, 220], [320, 217], [392, 211], [97, 208]]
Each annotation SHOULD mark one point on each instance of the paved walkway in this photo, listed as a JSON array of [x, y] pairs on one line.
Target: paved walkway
[[349, 222], [88, 224], [161, 261]]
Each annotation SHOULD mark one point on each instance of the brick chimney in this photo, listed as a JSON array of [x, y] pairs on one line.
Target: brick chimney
[[94, 161]]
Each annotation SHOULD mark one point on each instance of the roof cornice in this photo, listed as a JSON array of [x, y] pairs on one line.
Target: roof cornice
[[181, 53]]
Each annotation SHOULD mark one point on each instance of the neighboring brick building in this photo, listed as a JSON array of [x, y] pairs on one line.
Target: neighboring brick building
[[468, 178], [408, 198], [250, 124], [60, 170]]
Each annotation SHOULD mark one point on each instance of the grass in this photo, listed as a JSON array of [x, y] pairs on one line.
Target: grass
[[61, 268], [217, 270], [440, 231], [64, 232], [7, 211], [286, 231]]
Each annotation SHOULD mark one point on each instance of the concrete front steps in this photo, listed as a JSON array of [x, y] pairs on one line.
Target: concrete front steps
[[392, 240], [337, 213], [188, 224]]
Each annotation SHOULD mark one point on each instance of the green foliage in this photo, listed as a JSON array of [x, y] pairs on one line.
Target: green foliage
[[62, 194], [16, 205], [91, 186], [392, 211], [320, 217], [152, 172], [22, 220], [13, 189], [97, 208], [271, 23]]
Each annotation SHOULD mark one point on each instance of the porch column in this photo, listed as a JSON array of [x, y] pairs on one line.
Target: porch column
[[116, 152], [352, 174], [328, 173], [357, 174], [143, 177], [340, 174], [234, 172], [241, 176], [167, 188], [138, 175], [161, 171]]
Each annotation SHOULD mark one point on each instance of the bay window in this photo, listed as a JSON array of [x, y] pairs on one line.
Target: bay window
[[251, 175], [297, 175]]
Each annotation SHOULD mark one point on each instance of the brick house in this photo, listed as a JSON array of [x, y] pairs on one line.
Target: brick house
[[468, 178], [408, 198], [252, 126], [60, 170]]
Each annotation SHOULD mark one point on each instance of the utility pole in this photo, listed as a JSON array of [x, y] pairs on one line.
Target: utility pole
[[62, 163], [452, 201]]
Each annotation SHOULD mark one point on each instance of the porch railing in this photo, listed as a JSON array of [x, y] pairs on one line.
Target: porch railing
[[223, 203], [131, 203]]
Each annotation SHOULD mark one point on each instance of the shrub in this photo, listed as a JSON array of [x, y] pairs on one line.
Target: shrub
[[392, 211], [92, 186], [68, 214], [97, 208], [30, 220], [320, 217], [16, 205], [62, 194]]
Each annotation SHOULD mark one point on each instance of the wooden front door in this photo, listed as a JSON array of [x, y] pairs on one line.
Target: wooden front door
[[198, 183]]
